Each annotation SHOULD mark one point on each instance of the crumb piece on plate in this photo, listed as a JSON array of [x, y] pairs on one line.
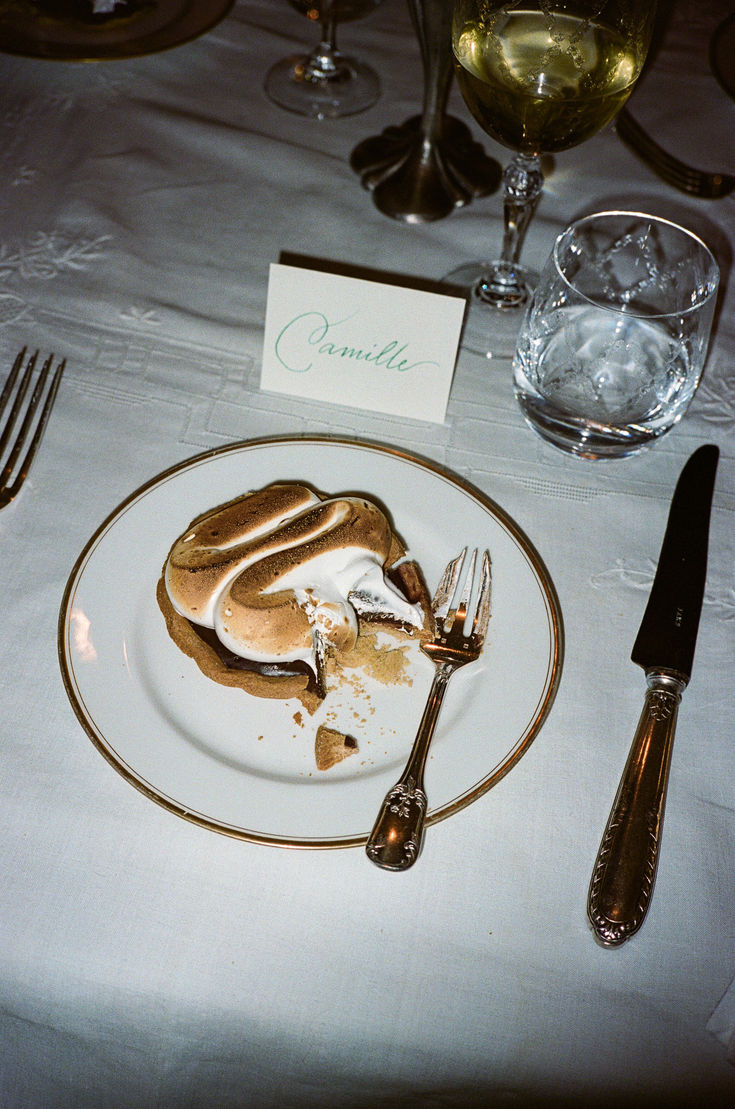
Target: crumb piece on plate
[[331, 747], [386, 664]]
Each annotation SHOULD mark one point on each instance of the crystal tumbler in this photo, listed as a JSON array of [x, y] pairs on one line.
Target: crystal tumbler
[[614, 339]]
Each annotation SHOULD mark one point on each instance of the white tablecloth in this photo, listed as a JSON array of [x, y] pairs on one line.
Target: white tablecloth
[[147, 961]]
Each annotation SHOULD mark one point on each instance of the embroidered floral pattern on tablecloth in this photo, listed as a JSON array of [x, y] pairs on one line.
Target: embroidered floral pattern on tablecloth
[[640, 577], [637, 577], [25, 175], [141, 317], [47, 254], [42, 257], [715, 397]]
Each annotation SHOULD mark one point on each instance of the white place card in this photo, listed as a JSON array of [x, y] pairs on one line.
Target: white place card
[[361, 343]]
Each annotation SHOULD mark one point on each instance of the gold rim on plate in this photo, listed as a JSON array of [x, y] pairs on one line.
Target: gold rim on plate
[[95, 692], [158, 25]]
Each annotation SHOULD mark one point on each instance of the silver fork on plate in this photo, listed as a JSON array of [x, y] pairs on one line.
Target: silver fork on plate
[[395, 840], [29, 413], [684, 177]]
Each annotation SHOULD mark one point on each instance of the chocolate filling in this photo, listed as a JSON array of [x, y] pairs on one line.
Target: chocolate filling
[[237, 662]]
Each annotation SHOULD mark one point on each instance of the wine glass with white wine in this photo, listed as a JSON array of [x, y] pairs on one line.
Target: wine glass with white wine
[[539, 76], [325, 84]]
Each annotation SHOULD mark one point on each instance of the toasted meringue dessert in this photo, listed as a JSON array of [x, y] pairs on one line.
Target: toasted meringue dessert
[[264, 591]]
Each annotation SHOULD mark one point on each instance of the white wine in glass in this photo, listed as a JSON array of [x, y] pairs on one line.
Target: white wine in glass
[[539, 76], [325, 84]]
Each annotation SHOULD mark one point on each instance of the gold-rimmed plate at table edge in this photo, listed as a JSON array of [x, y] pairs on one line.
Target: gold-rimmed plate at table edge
[[160, 25], [244, 767]]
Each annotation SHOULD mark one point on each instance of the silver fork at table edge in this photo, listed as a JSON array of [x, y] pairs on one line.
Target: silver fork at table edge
[[33, 417], [395, 841], [680, 175]]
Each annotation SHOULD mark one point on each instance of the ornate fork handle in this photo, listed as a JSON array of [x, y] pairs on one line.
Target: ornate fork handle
[[395, 840]]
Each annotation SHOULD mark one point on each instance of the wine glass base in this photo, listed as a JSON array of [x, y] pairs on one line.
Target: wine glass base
[[422, 171], [497, 293], [352, 88]]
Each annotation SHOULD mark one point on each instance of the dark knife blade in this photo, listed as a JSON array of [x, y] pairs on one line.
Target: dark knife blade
[[668, 632], [625, 869]]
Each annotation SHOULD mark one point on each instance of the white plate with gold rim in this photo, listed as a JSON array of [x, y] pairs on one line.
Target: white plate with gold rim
[[245, 766], [66, 31]]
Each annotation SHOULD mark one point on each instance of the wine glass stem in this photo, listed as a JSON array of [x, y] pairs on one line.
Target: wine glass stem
[[329, 33], [324, 63], [523, 183]]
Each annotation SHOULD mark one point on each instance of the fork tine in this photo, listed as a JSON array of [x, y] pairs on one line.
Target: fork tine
[[19, 396], [10, 380], [482, 608], [29, 413], [8, 490], [447, 586], [42, 420], [458, 613]]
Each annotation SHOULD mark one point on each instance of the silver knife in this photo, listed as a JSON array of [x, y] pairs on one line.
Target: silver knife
[[625, 869]]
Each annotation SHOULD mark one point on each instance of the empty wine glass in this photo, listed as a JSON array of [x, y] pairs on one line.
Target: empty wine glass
[[539, 76], [325, 84]]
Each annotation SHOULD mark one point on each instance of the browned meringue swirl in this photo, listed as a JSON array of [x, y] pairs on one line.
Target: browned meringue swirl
[[276, 571]]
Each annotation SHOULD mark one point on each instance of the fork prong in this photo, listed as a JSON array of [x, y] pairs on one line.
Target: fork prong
[[30, 412], [482, 608], [447, 586], [458, 613], [34, 422], [11, 379], [41, 424], [18, 398]]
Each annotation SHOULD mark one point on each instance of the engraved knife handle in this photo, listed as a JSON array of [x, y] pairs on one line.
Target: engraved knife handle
[[395, 841], [625, 869]]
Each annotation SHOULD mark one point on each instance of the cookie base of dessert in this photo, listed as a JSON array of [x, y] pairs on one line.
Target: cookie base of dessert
[[188, 640]]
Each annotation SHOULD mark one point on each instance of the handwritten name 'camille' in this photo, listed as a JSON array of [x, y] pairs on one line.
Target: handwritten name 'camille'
[[313, 331]]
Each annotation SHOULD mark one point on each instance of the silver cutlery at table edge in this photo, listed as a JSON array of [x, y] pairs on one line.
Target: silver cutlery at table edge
[[625, 869], [686, 178], [29, 413], [395, 841]]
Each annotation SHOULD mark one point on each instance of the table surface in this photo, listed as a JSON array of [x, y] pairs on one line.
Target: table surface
[[146, 960]]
